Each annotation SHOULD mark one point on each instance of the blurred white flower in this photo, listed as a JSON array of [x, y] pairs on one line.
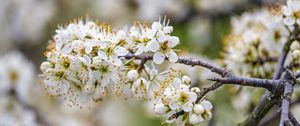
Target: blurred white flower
[[16, 73], [291, 12]]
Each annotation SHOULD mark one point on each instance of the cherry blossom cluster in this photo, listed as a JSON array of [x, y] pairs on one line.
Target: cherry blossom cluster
[[86, 63], [16, 80], [255, 42]]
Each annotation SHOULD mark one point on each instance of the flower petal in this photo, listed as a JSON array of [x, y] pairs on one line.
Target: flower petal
[[173, 41], [152, 46], [286, 11], [206, 105], [156, 26], [121, 51], [158, 57], [102, 54], [192, 97], [187, 107], [88, 48], [289, 21], [172, 56]]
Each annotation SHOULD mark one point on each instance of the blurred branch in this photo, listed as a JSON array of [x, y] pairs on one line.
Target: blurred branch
[[293, 120]]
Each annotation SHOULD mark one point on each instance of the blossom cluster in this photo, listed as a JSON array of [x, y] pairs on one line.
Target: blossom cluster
[[16, 80], [255, 42], [86, 63]]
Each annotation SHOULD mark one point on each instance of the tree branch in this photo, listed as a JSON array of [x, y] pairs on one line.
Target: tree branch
[[253, 82], [187, 61], [286, 101]]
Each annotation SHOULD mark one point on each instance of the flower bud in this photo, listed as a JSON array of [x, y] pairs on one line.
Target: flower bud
[[198, 109], [186, 80], [45, 66], [196, 90], [195, 119], [296, 54], [161, 109], [132, 75], [207, 115], [206, 105], [295, 45]]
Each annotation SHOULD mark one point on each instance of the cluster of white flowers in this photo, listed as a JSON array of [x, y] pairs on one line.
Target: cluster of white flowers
[[86, 63], [255, 42], [16, 80]]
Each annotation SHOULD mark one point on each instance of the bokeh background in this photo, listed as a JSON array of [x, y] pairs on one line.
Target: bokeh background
[[201, 25]]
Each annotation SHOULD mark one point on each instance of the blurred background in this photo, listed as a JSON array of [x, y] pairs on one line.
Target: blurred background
[[27, 25]]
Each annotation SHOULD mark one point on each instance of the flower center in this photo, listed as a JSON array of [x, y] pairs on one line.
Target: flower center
[[183, 98], [103, 69], [164, 46]]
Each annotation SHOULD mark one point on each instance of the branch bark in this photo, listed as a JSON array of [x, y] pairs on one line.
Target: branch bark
[[286, 101]]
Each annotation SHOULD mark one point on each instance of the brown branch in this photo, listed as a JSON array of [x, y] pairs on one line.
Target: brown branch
[[286, 101], [187, 61], [253, 82]]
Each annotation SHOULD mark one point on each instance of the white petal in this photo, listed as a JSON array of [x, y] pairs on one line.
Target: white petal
[[115, 59], [206, 105], [160, 109], [102, 55], [58, 46], [88, 48], [289, 21], [176, 82], [139, 51], [192, 97], [156, 26], [187, 107], [174, 105], [195, 119], [172, 56], [173, 41], [158, 57], [67, 48], [152, 46], [168, 29], [286, 11], [121, 51], [161, 36]]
